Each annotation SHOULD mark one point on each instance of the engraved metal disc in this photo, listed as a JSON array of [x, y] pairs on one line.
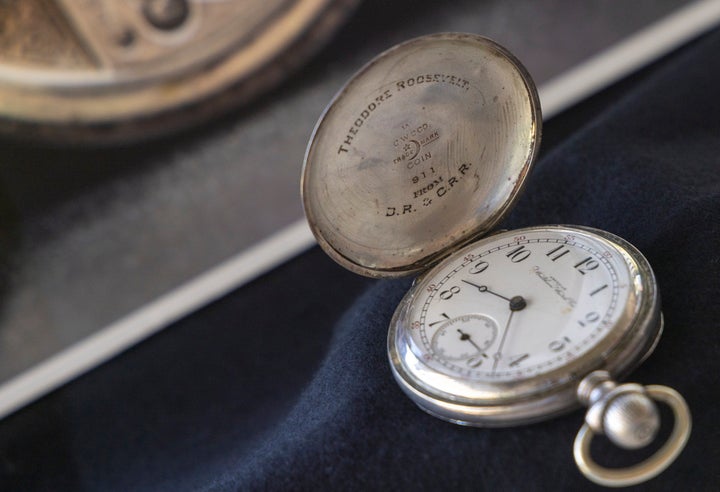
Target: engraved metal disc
[[118, 69], [425, 148]]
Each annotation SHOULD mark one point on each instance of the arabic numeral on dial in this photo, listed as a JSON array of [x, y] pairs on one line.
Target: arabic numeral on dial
[[447, 294], [479, 267], [586, 265], [557, 253], [558, 345], [590, 317], [518, 254]]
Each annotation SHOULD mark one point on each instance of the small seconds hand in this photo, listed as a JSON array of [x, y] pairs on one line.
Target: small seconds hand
[[466, 338]]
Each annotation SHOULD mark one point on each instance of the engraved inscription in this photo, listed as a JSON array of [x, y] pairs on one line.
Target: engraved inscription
[[436, 78], [435, 190], [453, 180], [412, 134], [416, 161], [408, 138], [429, 139], [411, 142], [361, 118], [414, 143], [397, 211], [423, 174], [428, 188]]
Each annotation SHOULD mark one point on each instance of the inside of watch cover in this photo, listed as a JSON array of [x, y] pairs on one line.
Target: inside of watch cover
[[426, 147]]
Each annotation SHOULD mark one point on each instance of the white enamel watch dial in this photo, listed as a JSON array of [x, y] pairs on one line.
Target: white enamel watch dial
[[502, 331]]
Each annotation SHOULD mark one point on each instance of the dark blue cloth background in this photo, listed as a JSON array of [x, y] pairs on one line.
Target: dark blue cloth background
[[284, 385]]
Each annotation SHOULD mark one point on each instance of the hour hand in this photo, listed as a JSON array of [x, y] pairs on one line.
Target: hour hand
[[516, 303], [484, 288]]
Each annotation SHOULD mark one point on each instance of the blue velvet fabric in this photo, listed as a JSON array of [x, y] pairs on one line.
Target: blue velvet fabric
[[285, 384]]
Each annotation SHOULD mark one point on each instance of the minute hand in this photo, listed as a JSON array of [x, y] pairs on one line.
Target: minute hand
[[498, 354]]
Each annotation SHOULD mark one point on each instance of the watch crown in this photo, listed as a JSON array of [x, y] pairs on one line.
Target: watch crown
[[631, 420], [625, 414]]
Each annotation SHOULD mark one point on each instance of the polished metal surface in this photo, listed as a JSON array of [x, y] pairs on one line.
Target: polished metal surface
[[425, 148], [107, 70]]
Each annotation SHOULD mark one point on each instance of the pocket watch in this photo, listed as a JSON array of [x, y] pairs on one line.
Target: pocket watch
[[412, 165]]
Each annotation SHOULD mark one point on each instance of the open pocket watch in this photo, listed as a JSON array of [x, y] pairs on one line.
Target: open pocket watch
[[408, 170]]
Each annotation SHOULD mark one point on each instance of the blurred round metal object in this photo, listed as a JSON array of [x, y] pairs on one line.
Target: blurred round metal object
[[112, 70], [166, 14]]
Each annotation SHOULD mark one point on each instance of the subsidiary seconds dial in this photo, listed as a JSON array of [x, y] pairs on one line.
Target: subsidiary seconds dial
[[464, 339]]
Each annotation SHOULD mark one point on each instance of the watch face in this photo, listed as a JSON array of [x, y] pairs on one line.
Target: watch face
[[518, 313]]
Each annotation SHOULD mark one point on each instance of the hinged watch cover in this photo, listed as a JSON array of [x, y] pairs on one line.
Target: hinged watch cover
[[424, 149]]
